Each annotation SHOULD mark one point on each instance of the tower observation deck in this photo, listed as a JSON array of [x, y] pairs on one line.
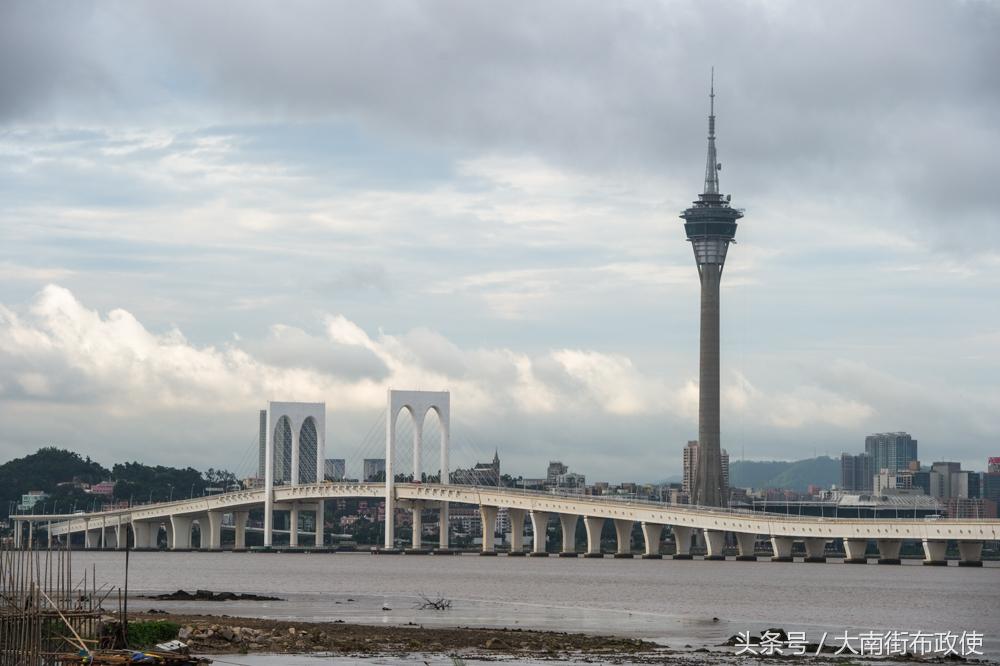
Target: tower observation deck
[[710, 224]]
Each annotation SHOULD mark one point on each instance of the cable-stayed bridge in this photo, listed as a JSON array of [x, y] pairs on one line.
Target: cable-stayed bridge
[[293, 483]]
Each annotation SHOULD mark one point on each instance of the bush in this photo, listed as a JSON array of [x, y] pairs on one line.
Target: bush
[[146, 633]]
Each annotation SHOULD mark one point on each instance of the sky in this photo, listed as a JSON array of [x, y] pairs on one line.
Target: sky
[[206, 206]]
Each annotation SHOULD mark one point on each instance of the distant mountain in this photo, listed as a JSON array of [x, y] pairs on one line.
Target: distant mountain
[[794, 475]]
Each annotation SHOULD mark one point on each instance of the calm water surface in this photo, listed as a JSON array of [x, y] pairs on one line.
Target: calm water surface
[[672, 602]]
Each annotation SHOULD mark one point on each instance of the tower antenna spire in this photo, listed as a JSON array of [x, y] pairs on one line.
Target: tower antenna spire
[[711, 164]]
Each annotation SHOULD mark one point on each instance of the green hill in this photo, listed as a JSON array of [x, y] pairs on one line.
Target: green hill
[[794, 475], [44, 470]]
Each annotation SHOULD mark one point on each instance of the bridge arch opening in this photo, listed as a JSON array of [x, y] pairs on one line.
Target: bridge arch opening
[[283, 451], [308, 449]]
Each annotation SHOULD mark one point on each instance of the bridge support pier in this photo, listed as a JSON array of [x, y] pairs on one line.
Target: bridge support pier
[[746, 543], [488, 517], [715, 541], [539, 530], [567, 523], [623, 535], [121, 536], [935, 553], [320, 524], [854, 551], [240, 528], [140, 534], [594, 526], [211, 531], [651, 533], [971, 553], [180, 532], [782, 547], [815, 549], [682, 542], [888, 551], [293, 524], [516, 518], [444, 527], [417, 525]]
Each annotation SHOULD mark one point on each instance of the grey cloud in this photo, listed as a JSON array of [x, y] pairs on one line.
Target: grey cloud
[[290, 347]]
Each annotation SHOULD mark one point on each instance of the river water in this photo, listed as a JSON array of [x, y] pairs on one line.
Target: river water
[[678, 603]]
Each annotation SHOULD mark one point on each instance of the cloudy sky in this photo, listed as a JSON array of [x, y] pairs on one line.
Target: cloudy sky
[[205, 206]]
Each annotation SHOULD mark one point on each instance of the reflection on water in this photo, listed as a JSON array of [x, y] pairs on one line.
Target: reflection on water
[[677, 603]]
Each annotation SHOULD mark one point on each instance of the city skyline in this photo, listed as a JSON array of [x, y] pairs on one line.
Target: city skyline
[[179, 248]]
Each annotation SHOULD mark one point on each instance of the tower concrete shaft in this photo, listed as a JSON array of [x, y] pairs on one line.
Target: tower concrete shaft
[[710, 224], [708, 488]]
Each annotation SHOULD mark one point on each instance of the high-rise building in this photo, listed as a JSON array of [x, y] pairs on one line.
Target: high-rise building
[[374, 469], [710, 224], [334, 469], [893, 451], [856, 472], [691, 466], [554, 471], [993, 465]]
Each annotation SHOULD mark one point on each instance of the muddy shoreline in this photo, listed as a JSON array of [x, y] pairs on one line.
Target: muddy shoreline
[[222, 634], [228, 635]]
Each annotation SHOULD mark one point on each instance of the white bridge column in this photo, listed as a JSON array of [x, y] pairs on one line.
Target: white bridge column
[[268, 480], [488, 517], [594, 526], [651, 533], [240, 526], [715, 542], [539, 531], [935, 553], [888, 551], [815, 549], [180, 529], [516, 519], [121, 535], [623, 533], [140, 534], [782, 547], [747, 543], [854, 551], [682, 539], [971, 553], [444, 527], [418, 524], [567, 523], [293, 523], [211, 531], [320, 528]]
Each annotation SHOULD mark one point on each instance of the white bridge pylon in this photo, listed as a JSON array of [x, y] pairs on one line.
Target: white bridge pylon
[[418, 404], [293, 422]]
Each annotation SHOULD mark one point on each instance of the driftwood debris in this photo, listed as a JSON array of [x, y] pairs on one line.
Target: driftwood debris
[[426, 603]]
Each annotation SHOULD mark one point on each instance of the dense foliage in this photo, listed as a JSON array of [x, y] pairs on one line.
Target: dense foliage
[[45, 470], [146, 634], [62, 474]]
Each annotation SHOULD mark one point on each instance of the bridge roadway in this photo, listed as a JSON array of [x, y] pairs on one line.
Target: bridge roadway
[[102, 529]]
